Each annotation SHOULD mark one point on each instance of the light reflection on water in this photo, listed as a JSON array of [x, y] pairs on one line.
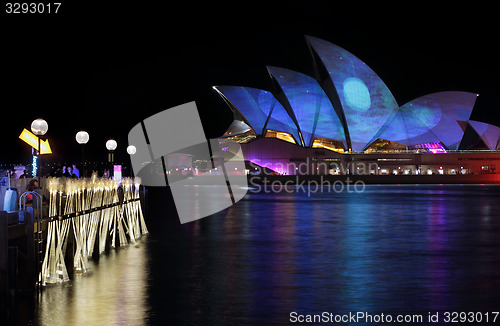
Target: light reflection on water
[[114, 295], [390, 249]]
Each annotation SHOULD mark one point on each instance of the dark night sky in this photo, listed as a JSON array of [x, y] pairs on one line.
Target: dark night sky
[[104, 69]]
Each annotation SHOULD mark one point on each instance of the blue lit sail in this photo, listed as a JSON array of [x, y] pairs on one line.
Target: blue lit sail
[[348, 102], [254, 104], [312, 108], [431, 118], [281, 121], [366, 101]]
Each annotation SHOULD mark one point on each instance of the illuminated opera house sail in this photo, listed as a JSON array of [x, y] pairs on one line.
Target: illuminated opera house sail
[[344, 111]]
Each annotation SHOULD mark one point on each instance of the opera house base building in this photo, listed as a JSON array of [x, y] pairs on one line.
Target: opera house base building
[[344, 121], [276, 160]]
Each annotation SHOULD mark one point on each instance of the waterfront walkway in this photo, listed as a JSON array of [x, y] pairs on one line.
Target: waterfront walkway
[[79, 219]]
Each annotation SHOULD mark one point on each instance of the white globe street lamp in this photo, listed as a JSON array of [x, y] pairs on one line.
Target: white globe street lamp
[[82, 137], [39, 127], [131, 149], [111, 145]]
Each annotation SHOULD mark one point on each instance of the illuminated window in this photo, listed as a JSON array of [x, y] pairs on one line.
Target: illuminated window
[[435, 147], [384, 145], [488, 169], [280, 135], [330, 144], [241, 138]]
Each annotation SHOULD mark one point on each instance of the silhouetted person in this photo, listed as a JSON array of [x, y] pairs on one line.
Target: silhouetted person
[[25, 175], [76, 171], [31, 187], [65, 172]]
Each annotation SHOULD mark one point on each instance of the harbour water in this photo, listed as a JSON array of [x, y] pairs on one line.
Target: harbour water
[[389, 249]]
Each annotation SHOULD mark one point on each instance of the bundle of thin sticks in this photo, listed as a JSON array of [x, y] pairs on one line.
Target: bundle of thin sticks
[[92, 208]]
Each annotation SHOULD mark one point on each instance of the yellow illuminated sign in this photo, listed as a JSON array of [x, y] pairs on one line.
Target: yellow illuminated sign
[[32, 140]]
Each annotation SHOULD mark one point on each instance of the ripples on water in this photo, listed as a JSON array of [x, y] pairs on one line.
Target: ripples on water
[[390, 249]]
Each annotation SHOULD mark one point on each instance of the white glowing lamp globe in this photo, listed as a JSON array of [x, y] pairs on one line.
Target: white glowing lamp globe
[[82, 137], [111, 145], [131, 149], [39, 127]]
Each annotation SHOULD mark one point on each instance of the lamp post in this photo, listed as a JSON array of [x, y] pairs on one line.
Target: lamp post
[[111, 146], [82, 137], [39, 127], [131, 149]]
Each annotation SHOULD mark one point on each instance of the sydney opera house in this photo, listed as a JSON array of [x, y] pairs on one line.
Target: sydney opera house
[[345, 116]]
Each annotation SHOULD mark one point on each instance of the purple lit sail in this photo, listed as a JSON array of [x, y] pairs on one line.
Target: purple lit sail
[[489, 134]]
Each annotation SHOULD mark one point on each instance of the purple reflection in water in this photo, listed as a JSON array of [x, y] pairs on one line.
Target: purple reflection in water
[[390, 249]]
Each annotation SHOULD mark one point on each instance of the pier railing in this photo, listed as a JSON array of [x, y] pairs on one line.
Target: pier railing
[[36, 220], [96, 212]]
